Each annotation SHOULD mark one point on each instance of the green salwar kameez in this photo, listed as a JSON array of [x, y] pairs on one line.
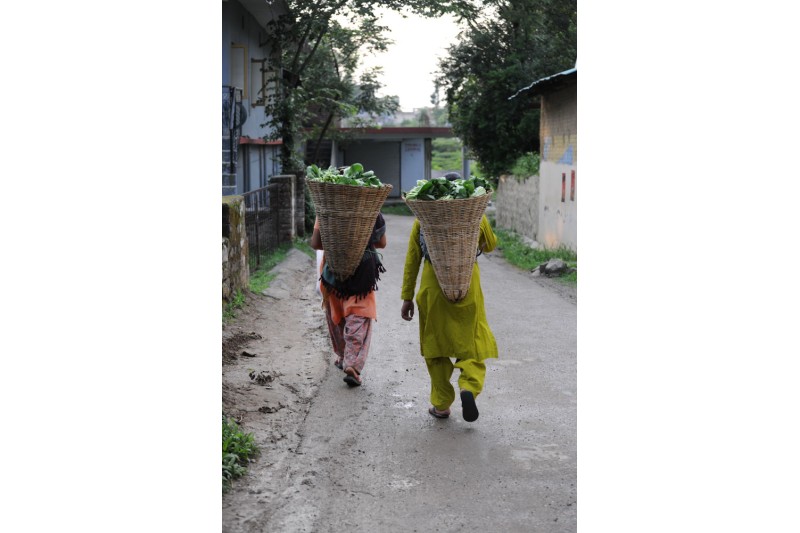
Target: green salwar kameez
[[446, 329]]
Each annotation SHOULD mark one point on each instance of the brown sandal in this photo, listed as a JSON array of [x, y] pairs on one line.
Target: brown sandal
[[352, 378], [439, 414]]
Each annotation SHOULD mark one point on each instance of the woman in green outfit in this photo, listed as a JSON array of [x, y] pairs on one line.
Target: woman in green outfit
[[449, 330]]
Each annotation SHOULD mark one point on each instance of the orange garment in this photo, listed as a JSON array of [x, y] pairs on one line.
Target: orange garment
[[366, 307]]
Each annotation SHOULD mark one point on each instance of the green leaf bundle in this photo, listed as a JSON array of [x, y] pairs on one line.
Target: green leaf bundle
[[444, 189], [352, 175]]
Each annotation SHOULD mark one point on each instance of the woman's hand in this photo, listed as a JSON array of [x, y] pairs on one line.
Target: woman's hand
[[407, 311]]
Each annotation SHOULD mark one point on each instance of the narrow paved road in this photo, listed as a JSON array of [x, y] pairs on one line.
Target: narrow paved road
[[373, 460]]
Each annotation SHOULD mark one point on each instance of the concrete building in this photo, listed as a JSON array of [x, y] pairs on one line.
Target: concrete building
[[398, 156], [545, 207], [247, 160]]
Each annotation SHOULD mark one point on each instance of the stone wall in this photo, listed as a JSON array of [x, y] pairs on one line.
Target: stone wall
[[283, 223], [235, 273], [517, 205], [283, 204]]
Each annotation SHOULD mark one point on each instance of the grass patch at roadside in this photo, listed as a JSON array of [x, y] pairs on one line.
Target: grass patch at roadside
[[397, 209], [229, 311], [237, 450], [303, 246], [520, 254], [263, 275]]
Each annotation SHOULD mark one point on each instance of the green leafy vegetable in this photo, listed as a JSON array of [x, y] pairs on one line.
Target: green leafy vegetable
[[444, 189], [352, 175]]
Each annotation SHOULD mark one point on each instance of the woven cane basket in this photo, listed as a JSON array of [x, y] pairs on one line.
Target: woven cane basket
[[347, 216], [451, 229]]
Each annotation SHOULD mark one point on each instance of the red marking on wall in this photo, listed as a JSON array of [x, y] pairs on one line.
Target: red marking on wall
[[563, 185], [572, 187]]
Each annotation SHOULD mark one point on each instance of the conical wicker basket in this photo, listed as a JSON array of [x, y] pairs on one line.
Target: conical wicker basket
[[451, 229], [347, 216]]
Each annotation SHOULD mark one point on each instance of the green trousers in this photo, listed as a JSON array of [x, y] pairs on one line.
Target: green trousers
[[440, 370]]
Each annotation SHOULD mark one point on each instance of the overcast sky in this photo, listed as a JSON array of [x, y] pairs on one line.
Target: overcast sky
[[409, 63]]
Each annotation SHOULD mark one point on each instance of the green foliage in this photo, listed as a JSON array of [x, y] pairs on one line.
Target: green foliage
[[310, 214], [237, 450], [477, 170], [518, 253], [316, 63], [229, 311], [259, 280], [527, 165], [446, 154], [352, 175], [444, 189], [439, 116], [571, 277], [261, 277], [512, 45], [398, 209], [303, 246]]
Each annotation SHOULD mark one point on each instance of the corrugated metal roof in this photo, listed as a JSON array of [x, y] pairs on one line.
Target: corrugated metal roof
[[548, 81]]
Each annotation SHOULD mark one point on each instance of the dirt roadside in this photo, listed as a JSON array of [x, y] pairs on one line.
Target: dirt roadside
[[274, 355]]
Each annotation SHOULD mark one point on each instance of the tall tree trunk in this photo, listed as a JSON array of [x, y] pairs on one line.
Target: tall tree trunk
[[322, 136]]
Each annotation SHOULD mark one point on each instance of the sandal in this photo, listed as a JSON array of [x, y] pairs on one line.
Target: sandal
[[470, 410], [352, 378], [338, 364], [439, 414]]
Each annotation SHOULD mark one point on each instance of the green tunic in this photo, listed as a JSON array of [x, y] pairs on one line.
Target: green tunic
[[448, 329]]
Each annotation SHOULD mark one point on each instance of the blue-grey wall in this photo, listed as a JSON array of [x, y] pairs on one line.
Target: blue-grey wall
[[241, 27]]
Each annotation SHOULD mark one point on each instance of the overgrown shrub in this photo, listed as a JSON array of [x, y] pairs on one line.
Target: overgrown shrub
[[527, 165]]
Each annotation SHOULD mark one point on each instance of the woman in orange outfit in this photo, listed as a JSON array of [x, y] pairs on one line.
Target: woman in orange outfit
[[350, 306]]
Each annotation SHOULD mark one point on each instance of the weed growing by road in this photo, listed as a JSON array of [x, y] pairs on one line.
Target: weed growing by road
[[236, 303], [237, 450], [261, 277], [518, 253], [302, 245]]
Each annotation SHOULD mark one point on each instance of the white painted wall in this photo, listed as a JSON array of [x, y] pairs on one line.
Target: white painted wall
[[412, 163]]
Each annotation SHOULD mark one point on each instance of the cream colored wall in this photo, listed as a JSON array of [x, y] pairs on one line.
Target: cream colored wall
[[558, 221], [533, 207]]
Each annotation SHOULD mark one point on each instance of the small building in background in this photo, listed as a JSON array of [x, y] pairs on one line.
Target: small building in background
[[544, 208], [399, 156]]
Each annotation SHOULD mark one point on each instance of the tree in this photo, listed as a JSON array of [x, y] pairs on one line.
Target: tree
[[315, 57], [333, 93], [513, 44]]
